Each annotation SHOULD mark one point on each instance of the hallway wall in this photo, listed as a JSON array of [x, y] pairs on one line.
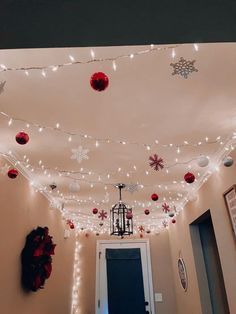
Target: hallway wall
[[161, 268], [210, 196], [22, 210]]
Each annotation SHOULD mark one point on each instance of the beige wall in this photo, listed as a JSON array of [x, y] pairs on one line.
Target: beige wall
[[210, 197], [21, 211], [161, 267]]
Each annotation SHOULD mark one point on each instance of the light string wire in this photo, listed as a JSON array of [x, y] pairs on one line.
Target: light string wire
[[55, 67], [97, 140]]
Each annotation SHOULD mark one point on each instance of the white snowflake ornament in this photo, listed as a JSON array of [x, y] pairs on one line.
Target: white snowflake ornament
[[132, 187], [79, 154]]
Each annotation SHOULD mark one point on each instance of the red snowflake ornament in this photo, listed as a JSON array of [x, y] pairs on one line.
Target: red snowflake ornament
[[141, 228], [165, 208], [156, 162], [102, 214], [99, 81]]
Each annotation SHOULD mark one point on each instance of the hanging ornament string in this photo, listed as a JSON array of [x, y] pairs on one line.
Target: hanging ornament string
[[55, 67], [97, 140]]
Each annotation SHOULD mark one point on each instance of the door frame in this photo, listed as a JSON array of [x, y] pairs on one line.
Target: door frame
[[149, 267]]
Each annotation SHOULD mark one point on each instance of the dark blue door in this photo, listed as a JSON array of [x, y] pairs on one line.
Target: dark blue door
[[125, 281]]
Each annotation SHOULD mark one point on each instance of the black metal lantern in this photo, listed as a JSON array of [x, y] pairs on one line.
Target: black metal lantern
[[121, 217]]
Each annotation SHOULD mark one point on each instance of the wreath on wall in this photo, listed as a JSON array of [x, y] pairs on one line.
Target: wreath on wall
[[36, 259]]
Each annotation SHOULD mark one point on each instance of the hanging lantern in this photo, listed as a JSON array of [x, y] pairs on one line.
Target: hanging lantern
[[22, 138], [154, 197], [147, 212], [95, 211], [189, 177], [120, 224], [12, 173], [99, 81]]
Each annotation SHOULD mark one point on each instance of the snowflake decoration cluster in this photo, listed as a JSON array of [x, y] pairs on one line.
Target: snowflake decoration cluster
[[183, 67]]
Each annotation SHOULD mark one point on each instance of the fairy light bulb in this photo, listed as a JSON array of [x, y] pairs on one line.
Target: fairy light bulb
[[71, 58], [131, 56], [114, 65], [173, 54], [10, 122], [43, 73], [57, 125], [69, 139], [196, 47], [26, 73], [92, 53]]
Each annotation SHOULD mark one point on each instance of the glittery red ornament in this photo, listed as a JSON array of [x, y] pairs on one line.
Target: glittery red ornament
[[12, 173], [189, 177], [95, 211], [146, 212], [173, 221], [154, 197], [129, 215], [22, 138], [71, 225], [99, 81]]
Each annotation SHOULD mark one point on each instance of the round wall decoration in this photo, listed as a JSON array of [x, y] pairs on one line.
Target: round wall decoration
[[36, 259], [182, 274]]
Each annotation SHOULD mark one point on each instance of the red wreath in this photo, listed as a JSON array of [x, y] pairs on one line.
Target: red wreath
[[36, 259]]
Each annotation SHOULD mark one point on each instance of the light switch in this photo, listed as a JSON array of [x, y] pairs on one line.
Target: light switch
[[158, 297]]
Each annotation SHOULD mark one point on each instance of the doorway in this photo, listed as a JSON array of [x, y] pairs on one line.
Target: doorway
[[207, 261], [124, 277]]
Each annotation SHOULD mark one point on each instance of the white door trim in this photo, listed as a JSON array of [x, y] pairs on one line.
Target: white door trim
[[149, 268]]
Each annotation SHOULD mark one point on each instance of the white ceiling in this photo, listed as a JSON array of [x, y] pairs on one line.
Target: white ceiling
[[143, 103]]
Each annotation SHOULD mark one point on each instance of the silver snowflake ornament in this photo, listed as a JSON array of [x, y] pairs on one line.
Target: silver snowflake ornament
[[4, 169], [183, 67], [79, 154], [132, 187]]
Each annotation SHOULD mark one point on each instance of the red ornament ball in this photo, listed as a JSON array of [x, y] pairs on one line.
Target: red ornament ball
[[72, 226], [22, 138], [129, 215], [141, 235], [12, 173], [95, 211], [173, 221], [147, 212], [189, 177], [154, 197], [99, 81]]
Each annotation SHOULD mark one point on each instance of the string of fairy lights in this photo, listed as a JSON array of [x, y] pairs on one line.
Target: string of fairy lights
[[54, 67], [97, 141], [59, 199]]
